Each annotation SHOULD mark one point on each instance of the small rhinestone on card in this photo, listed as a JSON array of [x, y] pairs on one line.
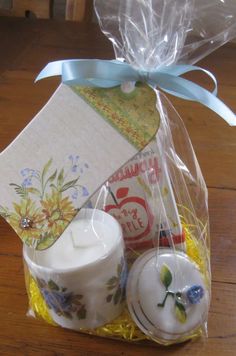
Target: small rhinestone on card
[[26, 223]]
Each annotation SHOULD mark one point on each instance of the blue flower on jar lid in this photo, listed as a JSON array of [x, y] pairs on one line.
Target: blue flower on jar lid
[[194, 294]]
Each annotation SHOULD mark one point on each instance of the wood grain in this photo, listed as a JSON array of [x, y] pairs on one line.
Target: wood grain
[[27, 47]]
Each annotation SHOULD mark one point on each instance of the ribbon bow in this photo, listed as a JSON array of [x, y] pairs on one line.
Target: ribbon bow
[[108, 74]]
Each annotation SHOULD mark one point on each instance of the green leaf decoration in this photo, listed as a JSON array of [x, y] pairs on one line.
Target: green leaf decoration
[[51, 179], [22, 191], [109, 298], [46, 168], [82, 312], [119, 269], [44, 242], [41, 283], [117, 296], [69, 185], [78, 296], [4, 212], [166, 276], [60, 178], [52, 285], [34, 191], [74, 308], [67, 315], [76, 299], [53, 186], [76, 302], [53, 176], [112, 281], [15, 185], [180, 312]]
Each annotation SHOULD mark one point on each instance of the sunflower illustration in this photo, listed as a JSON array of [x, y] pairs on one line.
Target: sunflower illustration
[[58, 212], [27, 220]]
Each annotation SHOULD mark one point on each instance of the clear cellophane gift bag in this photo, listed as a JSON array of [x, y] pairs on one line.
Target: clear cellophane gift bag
[[159, 198]]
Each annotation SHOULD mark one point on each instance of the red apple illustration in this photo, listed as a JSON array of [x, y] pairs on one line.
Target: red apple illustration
[[133, 214]]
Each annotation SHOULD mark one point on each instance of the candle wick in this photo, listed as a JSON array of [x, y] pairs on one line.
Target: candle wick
[[85, 244]]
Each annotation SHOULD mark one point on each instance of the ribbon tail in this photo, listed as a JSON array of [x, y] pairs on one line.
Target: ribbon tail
[[184, 88], [180, 69], [50, 70], [217, 105]]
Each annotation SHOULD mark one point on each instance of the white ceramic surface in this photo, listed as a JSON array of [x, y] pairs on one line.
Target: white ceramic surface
[[145, 291]]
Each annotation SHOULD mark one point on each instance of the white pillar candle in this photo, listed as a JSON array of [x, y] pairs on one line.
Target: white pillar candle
[[82, 276], [85, 241]]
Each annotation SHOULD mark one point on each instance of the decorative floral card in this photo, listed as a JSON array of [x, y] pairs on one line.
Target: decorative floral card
[[72, 146]]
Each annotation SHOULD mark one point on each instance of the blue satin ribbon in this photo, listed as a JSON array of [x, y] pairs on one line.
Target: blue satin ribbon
[[108, 74]]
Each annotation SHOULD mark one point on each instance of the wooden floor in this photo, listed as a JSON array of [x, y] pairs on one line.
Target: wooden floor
[[25, 47]]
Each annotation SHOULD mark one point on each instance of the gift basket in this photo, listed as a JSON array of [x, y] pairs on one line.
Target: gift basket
[[124, 252]]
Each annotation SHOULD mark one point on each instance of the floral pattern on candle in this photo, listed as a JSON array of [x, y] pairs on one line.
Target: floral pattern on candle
[[62, 302], [116, 284], [47, 202]]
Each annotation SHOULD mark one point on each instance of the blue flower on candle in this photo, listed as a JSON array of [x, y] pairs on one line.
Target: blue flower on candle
[[58, 301], [195, 294], [62, 302]]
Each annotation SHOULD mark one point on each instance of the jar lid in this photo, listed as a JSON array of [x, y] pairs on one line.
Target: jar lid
[[167, 295]]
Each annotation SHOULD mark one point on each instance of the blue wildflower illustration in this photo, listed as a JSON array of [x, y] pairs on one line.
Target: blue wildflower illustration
[[62, 302], [49, 199], [36, 183], [75, 194], [25, 172], [27, 182], [74, 163], [28, 174], [77, 165], [85, 192]]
